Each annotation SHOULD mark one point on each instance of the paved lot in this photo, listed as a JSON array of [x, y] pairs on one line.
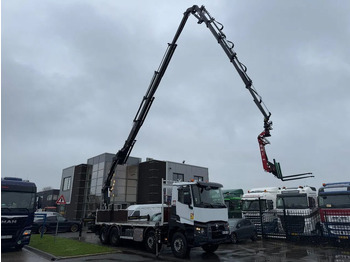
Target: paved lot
[[259, 251]]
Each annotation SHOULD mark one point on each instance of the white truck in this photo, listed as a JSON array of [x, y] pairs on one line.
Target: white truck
[[197, 217], [297, 210], [258, 205]]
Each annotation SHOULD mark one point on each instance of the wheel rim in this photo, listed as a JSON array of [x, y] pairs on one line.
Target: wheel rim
[[233, 238], [150, 242], [74, 228], [178, 245]]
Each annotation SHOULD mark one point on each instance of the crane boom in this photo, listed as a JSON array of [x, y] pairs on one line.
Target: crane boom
[[216, 28]]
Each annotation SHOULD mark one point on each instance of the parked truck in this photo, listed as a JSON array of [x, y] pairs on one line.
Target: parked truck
[[18, 204], [334, 206], [259, 205], [233, 201], [197, 217], [297, 211]]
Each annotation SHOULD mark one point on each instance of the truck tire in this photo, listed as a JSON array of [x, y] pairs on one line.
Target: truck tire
[[210, 248], [74, 228], [104, 235], [179, 245], [114, 237], [234, 239], [150, 241]]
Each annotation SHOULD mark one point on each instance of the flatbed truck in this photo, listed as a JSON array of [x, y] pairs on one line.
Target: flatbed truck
[[196, 217]]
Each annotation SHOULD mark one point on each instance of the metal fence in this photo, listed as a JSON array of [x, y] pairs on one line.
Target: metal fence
[[308, 224]]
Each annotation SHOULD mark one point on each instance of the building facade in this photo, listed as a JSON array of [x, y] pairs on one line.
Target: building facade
[[152, 172], [73, 186], [135, 182], [47, 199]]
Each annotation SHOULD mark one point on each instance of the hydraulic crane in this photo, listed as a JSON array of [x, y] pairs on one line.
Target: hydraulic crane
[[216, 28]]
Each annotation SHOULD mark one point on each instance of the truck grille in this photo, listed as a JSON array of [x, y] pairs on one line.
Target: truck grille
[[216, 231]]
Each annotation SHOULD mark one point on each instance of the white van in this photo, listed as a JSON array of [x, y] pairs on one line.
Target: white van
[[144, 210]]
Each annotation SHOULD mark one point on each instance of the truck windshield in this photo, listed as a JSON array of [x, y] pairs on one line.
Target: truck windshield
[[253, 205], [292, 202], [207, 197], [18, 200], [334, 201]]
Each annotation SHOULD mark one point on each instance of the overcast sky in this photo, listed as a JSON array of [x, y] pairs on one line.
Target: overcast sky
[[74, 73]]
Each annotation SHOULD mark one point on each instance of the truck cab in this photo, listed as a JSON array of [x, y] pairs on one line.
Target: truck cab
[[297, 210], [334, 206], [18, 203], [255, 205]]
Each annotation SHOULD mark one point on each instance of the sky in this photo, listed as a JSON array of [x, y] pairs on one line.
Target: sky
[[74, 74]]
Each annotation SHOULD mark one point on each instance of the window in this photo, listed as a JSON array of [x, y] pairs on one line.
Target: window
[[67, 183], [198, 178], [183, 192], [178, 177], [49, 198]]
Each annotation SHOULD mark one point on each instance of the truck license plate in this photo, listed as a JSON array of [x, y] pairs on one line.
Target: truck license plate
[[225, 232], [6, 237]]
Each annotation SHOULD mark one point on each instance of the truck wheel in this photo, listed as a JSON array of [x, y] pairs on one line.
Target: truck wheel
[[210, 248], [254, 237], [150, 241], [179, 245], [42, 229], [234, 239], [74, 228], [104, 235], [114, 237]]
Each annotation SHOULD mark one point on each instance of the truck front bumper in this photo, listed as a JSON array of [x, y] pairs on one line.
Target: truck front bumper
[[211, 233]]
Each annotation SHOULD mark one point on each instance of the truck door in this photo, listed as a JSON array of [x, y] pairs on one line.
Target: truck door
[[184, 206]]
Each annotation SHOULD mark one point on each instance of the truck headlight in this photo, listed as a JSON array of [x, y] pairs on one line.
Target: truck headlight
[[200, 230], [27, 232]]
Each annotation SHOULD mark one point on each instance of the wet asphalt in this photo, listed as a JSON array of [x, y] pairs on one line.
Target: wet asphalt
[[258, 251]]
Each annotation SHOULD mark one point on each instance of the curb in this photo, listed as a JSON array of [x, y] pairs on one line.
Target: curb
[[41, 253]]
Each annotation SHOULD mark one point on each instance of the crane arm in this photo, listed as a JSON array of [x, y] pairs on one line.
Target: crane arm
[[216, 28]]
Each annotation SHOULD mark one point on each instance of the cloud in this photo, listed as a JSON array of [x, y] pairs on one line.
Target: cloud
[[73, 76]]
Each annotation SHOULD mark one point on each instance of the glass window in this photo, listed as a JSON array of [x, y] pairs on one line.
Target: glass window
[[292, 202], [54, 197], [334, 201], [67, 183], [198, 178], [178, 177], [98, 190], [182, 192], [49, 198], [99, 181], [101, 166], [208, 197], [13, 200], [253, 205], [94, 175], [100, 174]]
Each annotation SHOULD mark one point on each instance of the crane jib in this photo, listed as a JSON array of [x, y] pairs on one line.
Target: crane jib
[[215, 28]]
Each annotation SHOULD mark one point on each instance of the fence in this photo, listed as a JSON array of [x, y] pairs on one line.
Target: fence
[[295, 224]]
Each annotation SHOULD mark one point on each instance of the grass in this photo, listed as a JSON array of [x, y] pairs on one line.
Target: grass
[[65, 247]]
